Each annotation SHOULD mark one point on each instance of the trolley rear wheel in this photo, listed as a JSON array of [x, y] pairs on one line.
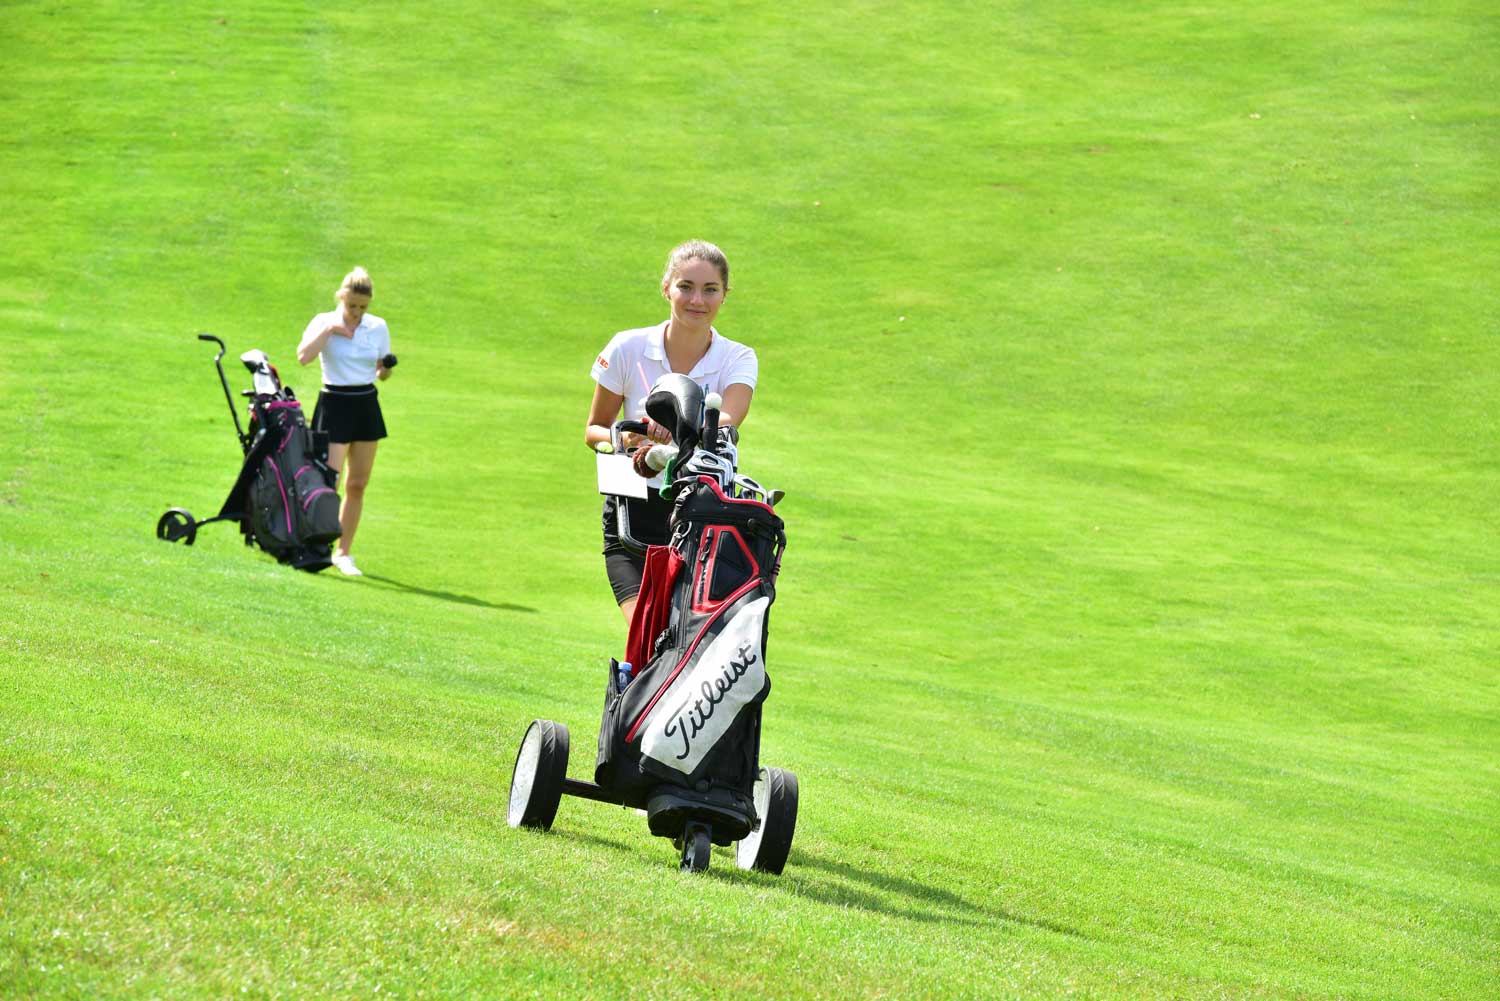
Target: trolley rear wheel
[[766, 848]]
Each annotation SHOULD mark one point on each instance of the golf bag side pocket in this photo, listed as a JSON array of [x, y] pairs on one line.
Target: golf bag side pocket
[[271, 509], [618, 766], [612, 699], [318, 516]]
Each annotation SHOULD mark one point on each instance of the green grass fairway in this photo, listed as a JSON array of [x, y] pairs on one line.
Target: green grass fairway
[[1131, 372]]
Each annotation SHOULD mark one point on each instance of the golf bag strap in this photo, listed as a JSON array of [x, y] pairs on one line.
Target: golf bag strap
[[234, 504]]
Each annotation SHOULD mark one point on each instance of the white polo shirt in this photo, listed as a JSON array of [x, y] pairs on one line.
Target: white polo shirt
[[351, 361], [634, 359]]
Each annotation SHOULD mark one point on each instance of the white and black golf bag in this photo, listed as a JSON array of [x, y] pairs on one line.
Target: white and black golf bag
[[682, 738]]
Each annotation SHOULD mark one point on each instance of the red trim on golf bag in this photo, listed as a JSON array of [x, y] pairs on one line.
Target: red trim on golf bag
[[719, 492], [687, 655], [710, 542], [653, 606]]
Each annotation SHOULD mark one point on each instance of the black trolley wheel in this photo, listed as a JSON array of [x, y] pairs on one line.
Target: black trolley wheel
[[697, 846], [177, 525], [536, 782], [767, 847]]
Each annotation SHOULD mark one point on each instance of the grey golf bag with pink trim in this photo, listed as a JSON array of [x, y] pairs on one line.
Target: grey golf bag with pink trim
[[284, 497]]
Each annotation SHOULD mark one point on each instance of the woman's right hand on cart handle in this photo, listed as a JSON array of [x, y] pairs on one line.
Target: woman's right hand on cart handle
[[657, 433], [654, 434], [650, 460]]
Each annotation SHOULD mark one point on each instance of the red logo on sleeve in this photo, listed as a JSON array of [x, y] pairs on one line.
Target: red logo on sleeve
[[603, 363]]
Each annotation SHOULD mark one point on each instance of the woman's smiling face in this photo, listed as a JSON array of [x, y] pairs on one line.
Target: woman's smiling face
[[696, 291]]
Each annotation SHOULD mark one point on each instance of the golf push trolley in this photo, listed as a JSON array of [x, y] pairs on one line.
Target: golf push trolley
[[284, 498], [680, 735]]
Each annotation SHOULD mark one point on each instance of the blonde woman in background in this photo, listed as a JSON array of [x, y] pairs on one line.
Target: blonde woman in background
[[354, 348]]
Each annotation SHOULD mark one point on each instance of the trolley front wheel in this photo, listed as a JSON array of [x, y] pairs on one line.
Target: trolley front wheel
[[536, 783], [177, 525], [697, 846]]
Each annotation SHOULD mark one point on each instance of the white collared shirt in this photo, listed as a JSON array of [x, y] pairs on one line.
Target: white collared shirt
[[351, 361], [634, 359]]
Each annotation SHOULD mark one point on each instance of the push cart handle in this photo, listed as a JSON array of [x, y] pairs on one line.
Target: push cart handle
[[624, 427], [244, 439]]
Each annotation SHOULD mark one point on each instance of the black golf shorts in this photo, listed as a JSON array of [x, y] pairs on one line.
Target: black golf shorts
[[649, 526]]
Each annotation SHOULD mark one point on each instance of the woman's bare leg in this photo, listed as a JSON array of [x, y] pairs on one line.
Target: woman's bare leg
[[361, 457], [336, 452]]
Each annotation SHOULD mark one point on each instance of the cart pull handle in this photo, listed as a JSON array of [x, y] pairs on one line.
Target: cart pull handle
[[228, 397]]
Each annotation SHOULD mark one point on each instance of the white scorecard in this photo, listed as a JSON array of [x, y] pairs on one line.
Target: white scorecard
[[617, 477]]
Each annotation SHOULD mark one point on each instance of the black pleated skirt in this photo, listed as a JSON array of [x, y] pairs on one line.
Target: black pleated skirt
[[349, 413]]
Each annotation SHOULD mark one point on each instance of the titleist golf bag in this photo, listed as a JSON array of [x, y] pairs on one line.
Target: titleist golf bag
[[284, 497], [684, 734], [680, 736], [681, 729]]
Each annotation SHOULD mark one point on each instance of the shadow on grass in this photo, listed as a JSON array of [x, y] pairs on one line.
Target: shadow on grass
[[619, 846], [881, 893], [462, 599]]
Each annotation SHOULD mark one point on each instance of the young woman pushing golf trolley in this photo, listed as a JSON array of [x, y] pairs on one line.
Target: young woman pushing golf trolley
[[695, 285], [680, 736]]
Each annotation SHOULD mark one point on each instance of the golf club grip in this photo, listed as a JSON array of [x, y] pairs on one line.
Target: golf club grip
[[710, 436]]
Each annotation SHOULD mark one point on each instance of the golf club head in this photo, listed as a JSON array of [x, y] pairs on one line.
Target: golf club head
[[262, 371], [676, 403], [744, 486], [255, 360], [708, 464]]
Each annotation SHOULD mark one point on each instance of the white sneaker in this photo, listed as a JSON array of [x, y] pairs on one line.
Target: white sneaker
[[346, 565]]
